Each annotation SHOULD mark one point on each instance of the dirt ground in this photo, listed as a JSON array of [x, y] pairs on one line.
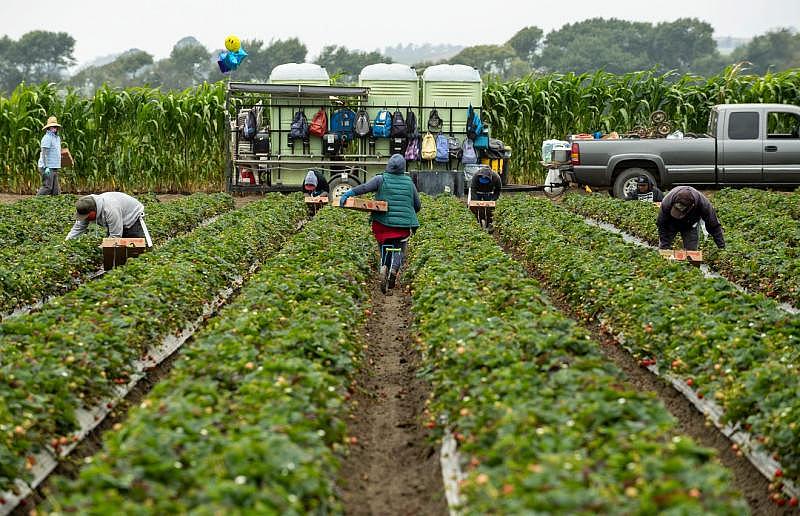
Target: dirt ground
[[393, 468]]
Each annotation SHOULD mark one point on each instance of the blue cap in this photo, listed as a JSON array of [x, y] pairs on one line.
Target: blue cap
[[484, 180]]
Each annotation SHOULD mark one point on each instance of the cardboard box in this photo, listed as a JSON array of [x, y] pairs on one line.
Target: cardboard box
[[483, 206], [66, 158], [354, 203], [316, 200], [116, 251], [680, 254]]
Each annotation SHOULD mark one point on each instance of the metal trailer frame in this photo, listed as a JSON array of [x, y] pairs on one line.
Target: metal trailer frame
[[346, 169]]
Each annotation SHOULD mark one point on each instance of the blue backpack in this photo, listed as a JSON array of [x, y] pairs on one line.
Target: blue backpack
[[343, 123], [474, 124], [442, 149], [382, 127]]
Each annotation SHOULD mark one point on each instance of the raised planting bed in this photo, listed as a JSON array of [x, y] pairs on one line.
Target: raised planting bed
[[544, 423], [251, 416], [762, 245], [72, 354], [736, 349], [56, 266]]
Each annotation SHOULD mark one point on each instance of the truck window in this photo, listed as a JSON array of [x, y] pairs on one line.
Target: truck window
[[782, 125], [743, 126]]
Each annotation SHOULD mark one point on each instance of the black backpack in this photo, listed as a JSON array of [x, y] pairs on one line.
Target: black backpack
[[434, 122], [362, 123], [398, 125], [299, 128], [411, 124]]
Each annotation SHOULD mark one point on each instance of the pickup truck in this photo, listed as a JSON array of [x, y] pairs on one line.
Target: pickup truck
[[746, 145]]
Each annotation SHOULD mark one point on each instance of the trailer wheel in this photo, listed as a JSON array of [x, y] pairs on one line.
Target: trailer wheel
[[338, 186], [625, 183]]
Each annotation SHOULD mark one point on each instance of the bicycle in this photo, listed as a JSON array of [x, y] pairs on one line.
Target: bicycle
[[391, 260]]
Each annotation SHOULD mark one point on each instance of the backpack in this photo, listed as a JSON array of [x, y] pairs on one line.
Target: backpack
[[411, 124], [342, 123], [398, 125], [442, 149], [382, 126], [428, 147], [319, 124], [362, 123], [469, 156], [474, 124], [299, 128], [454, 147], [250, 127], [412, 150], [434, 122]]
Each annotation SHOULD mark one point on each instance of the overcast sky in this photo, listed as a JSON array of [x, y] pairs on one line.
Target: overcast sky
[[102, 27]]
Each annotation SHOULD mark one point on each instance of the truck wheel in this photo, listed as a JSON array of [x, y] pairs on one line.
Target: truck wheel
[[338, 186], [625, 183]]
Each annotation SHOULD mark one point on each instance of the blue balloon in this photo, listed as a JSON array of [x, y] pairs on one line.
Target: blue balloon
[[230, 61]]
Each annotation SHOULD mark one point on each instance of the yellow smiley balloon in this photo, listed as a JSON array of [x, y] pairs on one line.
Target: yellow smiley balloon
[[232, 43]]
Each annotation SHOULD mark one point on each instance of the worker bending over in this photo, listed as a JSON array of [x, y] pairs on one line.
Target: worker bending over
[[120, 214], [681, 212]]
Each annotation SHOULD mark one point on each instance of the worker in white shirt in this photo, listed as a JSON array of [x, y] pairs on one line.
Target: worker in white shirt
[[120, 214]]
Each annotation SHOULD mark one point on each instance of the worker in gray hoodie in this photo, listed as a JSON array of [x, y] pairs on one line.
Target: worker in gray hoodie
[[120, 214]]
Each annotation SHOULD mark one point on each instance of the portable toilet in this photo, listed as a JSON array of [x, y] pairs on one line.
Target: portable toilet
[[450, 89], [282, 110], [391, 86]]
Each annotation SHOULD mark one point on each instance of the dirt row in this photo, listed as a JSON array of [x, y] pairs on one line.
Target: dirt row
[[392, 467]]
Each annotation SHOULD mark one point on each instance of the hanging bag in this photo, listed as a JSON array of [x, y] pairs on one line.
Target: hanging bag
[[442, 149], [468, 154], [382, 126], [412, 150], [299, 128], [428, 147], [434, 122], [398, 125], [319, 124], [362, 123]]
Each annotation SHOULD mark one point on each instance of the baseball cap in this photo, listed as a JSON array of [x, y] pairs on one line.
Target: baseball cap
[[682, 204], [83, 206]]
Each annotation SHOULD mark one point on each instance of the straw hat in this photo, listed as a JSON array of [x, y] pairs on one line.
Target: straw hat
[[51, 122]]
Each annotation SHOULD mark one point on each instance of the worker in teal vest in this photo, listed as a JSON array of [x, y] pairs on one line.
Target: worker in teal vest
[[391, 228]]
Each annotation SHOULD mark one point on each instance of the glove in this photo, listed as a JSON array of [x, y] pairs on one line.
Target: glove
[[344, 197], [47, 172]]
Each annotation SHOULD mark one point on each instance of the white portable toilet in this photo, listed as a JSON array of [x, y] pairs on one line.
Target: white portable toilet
[[282, 110], [450, 89], [391, 86]]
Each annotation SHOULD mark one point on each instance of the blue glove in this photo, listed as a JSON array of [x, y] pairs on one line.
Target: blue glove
[[47, 172], [344, 197]]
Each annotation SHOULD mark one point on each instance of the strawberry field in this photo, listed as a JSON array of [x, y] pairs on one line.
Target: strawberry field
[[249, 364]]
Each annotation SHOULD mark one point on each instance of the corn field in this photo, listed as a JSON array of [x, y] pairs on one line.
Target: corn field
[[526, 112], [138, 139], [141, 139]]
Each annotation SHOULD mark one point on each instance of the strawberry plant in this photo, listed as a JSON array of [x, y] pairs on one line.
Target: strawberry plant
[[40, 270], [34, 220], [72, 353], [251, 415], [737, 349], [544, 423], [763, 244]]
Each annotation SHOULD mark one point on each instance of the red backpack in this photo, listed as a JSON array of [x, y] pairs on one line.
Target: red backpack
[[319, 124]]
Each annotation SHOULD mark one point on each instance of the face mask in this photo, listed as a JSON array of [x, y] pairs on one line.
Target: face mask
[[92, 216]]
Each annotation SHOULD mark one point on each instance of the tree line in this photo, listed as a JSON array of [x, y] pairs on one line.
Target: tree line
[[617, 46]]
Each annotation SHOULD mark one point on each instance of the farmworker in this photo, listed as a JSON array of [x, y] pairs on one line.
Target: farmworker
[[486, 185], [681, 211], [391, 228], [50, 158], [120, 214], [315, 185], [646, 191]]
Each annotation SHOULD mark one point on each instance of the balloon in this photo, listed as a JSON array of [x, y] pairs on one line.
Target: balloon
[[232, 43], [230, 61]]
